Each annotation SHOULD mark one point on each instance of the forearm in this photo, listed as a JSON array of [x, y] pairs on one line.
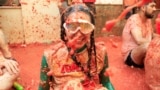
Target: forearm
[[6, 53], [4, 46], [142, 41]]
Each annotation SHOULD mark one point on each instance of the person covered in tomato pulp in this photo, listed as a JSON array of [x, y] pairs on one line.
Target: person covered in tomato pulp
[[137, 35], [9, 67], [76, 62]]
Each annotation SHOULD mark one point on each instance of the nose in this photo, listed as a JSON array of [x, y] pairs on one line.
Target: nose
[[154, 8], [79, 30]]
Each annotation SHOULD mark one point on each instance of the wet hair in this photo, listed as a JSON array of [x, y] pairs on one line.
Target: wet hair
[[74, 8], [91, 47]]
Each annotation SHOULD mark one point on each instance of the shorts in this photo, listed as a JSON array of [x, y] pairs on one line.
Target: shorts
[[130, 62]]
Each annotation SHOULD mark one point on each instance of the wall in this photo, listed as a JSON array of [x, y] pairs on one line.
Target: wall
[[41, 19], [113, 2], [106, 12], [11, 24], [35, 21]]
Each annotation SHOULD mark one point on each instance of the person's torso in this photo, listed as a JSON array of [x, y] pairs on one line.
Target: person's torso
[[64, 66], [134, 22]]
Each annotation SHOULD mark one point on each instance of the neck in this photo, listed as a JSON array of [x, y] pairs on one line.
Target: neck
[[81, 49], [142, 17]]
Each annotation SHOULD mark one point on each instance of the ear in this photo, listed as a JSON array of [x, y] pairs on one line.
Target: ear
[[143, 8]]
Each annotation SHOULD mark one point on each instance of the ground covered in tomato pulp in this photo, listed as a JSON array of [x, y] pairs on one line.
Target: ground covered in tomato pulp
[[123, 77]]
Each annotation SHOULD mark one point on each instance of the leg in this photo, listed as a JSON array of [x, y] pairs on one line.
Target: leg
[[129, 61], [138, 54]]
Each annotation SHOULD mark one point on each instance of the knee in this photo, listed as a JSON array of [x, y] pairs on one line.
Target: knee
[[145, 46]]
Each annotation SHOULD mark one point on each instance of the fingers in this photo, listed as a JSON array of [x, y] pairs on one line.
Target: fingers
[[11, 66], [14, 66], [50, 73]]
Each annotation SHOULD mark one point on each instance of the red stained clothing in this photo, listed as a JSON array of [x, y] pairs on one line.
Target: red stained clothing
[[67, 75], [133, 23]]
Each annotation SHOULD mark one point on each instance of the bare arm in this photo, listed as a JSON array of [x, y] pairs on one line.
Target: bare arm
[[10, 65], [6, 59], [4, 46], [137, 35]]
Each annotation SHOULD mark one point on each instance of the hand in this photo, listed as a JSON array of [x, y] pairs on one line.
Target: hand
[[10, 65]]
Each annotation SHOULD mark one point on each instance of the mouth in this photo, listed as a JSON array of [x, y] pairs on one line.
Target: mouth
[[79, 40]]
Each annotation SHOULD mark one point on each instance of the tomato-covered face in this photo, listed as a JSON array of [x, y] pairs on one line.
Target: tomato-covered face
[[78, 28]]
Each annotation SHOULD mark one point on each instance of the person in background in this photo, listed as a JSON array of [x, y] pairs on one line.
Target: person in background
[[9, 70], [76, 62], [91, 5], [127, 3], [137, 34]]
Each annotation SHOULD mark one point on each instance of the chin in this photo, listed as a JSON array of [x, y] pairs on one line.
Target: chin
[[79, 45]]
